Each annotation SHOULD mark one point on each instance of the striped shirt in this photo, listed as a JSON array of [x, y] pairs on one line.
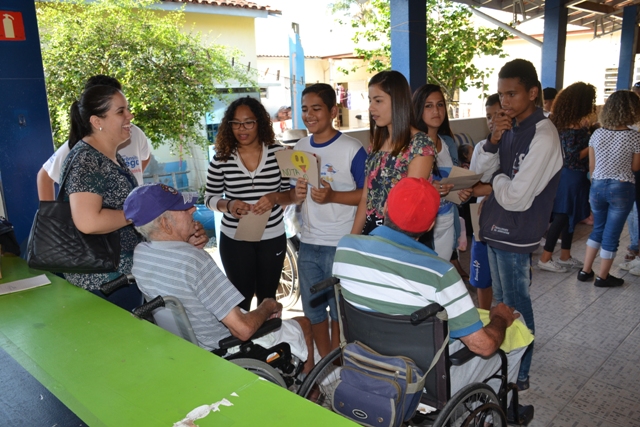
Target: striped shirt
[[234, 181], [389, 272], [183, 271]]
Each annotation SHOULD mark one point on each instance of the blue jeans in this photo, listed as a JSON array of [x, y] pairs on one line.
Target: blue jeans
[[611, 201], [511, 277], [315, 264], [632, 224]]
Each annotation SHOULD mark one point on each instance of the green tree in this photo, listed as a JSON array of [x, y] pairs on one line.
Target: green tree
[[452, 41], [170, 78]]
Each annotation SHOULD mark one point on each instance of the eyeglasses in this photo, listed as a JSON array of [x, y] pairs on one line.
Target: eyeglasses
[[637, 85], [248, 125]]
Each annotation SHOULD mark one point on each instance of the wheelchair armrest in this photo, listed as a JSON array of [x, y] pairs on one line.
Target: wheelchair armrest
[[461, 356], [267, 327]]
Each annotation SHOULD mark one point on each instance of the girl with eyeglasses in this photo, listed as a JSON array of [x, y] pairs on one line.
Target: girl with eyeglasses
[[244, 177]]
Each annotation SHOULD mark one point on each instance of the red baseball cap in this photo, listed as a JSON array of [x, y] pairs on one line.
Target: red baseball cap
[[413, 204]]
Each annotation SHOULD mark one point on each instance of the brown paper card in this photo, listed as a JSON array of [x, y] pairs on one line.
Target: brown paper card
[[299, 164], [251, 227], [461, 178]]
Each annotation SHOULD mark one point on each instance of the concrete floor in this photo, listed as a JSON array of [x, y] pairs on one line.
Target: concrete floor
[[586, 365]]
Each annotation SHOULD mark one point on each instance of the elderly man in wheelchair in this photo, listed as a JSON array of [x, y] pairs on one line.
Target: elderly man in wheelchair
[[390, 273], [166, 265]]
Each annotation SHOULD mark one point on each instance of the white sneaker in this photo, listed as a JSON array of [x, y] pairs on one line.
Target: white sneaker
[[635, 271], [570, 263], [551, 265], [630, 265]]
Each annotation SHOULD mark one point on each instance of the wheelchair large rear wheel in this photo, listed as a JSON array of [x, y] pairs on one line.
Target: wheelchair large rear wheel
[[475, 405], [261, 369], [319, 385], [288, 291]]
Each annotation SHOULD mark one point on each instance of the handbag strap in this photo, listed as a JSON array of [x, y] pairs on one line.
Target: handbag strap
[[66, 174], [419, 385]]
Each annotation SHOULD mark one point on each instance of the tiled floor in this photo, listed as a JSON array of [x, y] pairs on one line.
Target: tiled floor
[[586, 364]]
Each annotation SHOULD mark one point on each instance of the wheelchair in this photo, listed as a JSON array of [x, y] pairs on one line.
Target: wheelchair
[[275, 364], [419, 337]]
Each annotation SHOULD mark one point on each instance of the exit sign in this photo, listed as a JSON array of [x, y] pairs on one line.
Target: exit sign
[[12, 27]]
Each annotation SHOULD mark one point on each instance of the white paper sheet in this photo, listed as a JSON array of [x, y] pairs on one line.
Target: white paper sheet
[[23, 284]]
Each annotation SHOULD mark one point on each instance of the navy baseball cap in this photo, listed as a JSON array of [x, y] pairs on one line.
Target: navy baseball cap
[[148, 202]]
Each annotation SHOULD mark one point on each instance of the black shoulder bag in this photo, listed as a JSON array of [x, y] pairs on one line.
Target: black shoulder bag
[[56, 245]]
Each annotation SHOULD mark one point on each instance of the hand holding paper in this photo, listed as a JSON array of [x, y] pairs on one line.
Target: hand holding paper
[[461, 179], [323, 194], [299, 164], [251, 227]]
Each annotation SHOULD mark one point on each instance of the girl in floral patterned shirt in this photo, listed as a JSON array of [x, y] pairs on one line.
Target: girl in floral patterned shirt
[[397, 148]]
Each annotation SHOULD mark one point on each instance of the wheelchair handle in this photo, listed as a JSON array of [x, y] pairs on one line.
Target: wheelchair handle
[[145, 310], [117, 283], [326, 283], [425, 312]]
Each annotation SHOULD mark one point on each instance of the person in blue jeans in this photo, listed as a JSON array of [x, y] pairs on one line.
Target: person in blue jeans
[[614, 154], [327, 211], [524, 151]]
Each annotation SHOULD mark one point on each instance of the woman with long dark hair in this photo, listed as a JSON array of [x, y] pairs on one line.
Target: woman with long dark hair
[[398, 149], [99, 181], [430, 112]]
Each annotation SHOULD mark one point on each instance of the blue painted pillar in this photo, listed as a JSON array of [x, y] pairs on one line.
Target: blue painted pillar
[[409, 40], [25, 128], [296, 71], [553, 44], [628, 47]]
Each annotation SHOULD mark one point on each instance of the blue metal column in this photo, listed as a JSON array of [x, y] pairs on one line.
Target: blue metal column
[[409, 40], [296, 71], [25, 129], [628, 47], [554, 43]]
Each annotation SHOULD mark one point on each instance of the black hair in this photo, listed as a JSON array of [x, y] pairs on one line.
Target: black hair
[[94, 101], [520, 69], [462, 153], [419, 98], [549, 93], [102, 80], [394, 84], [324, 91], [492, 100], [226, 142]]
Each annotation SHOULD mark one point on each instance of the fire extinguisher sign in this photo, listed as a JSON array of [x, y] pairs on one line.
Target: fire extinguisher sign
[[12, 27]]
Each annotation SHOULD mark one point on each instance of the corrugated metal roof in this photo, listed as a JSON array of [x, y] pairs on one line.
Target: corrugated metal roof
[[602, 16]]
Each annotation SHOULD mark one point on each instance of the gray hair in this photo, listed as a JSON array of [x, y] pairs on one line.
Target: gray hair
[[151, 228]]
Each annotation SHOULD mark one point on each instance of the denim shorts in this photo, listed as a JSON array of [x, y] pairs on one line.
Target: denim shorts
[[611, 201], [315, 264]]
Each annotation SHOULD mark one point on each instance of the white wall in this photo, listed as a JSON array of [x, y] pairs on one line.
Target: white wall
[[586, 60]]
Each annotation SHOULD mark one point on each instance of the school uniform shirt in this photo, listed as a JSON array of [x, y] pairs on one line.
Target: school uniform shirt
[[134, 151], [341, 164]]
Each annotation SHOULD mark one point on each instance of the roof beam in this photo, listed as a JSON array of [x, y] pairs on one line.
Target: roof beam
[[589, 6]]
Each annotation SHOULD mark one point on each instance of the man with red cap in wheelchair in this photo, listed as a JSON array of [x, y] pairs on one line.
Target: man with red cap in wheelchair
[[391, 272]]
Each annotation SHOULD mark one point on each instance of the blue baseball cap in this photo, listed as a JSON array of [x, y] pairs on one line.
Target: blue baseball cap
[[148, 202]]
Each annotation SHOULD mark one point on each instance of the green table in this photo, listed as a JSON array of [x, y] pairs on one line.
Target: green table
[[112, 369]]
